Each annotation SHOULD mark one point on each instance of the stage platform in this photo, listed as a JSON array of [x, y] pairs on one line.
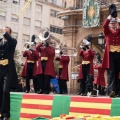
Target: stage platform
[[27, 106]]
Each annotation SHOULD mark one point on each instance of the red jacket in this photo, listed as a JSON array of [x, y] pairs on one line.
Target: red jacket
[[112, 38], [32, 57], [87, 56], [100, 79], [39, 66], [49, 69], [41, 49], [64, 61]]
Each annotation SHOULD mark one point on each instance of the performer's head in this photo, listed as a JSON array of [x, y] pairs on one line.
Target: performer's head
[[61, 52], [113, 24], [33, 45], [8, 30]]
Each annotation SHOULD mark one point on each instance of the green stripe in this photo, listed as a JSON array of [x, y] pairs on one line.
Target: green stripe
[[115, 107], [60, 105], [15, 105]]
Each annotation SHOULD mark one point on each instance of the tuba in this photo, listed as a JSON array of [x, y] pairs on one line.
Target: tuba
[[45, 36]]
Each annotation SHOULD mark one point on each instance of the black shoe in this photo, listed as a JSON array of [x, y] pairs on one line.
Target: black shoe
[[5, 118], [27, 91], [94, 93], [35, 91], [46, 92], [79, 93], [40, 92], [60, 93], [65, 93], [1, 117], [102, 91], [112, 94], [118, 95], [82, 94], [85, 94]]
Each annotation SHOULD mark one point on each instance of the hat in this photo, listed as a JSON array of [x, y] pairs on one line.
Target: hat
[[113, 10], [113, 21], [33, 38]]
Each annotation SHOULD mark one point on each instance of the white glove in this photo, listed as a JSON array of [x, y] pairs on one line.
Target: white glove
[[109, 17], [118, 20]]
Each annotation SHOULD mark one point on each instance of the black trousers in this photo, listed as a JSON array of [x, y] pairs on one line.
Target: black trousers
[[85, 72], [113, 72], [41, 77], [29, 75], [47, 83], [4, 92], [62, 84]]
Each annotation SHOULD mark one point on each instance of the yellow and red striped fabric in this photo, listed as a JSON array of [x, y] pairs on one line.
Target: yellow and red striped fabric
[[36, 106], [90, 106]]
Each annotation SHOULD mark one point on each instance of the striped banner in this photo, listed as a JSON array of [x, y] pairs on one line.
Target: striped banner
[[29, 106], [36, 106], [90, 106]]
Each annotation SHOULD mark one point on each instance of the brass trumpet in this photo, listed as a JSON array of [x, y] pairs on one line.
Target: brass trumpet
[[27, 45], [84, 43]]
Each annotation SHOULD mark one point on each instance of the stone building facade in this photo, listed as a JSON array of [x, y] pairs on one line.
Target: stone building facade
[[39, 14]]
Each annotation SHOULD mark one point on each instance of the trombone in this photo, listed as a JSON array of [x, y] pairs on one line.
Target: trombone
[[67, 51]]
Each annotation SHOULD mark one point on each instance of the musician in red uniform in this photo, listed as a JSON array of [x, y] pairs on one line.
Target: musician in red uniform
[[100, 79], [63, 72], [86, 68], [29, 69], [111, 59], [47, 58], [41, 66]]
